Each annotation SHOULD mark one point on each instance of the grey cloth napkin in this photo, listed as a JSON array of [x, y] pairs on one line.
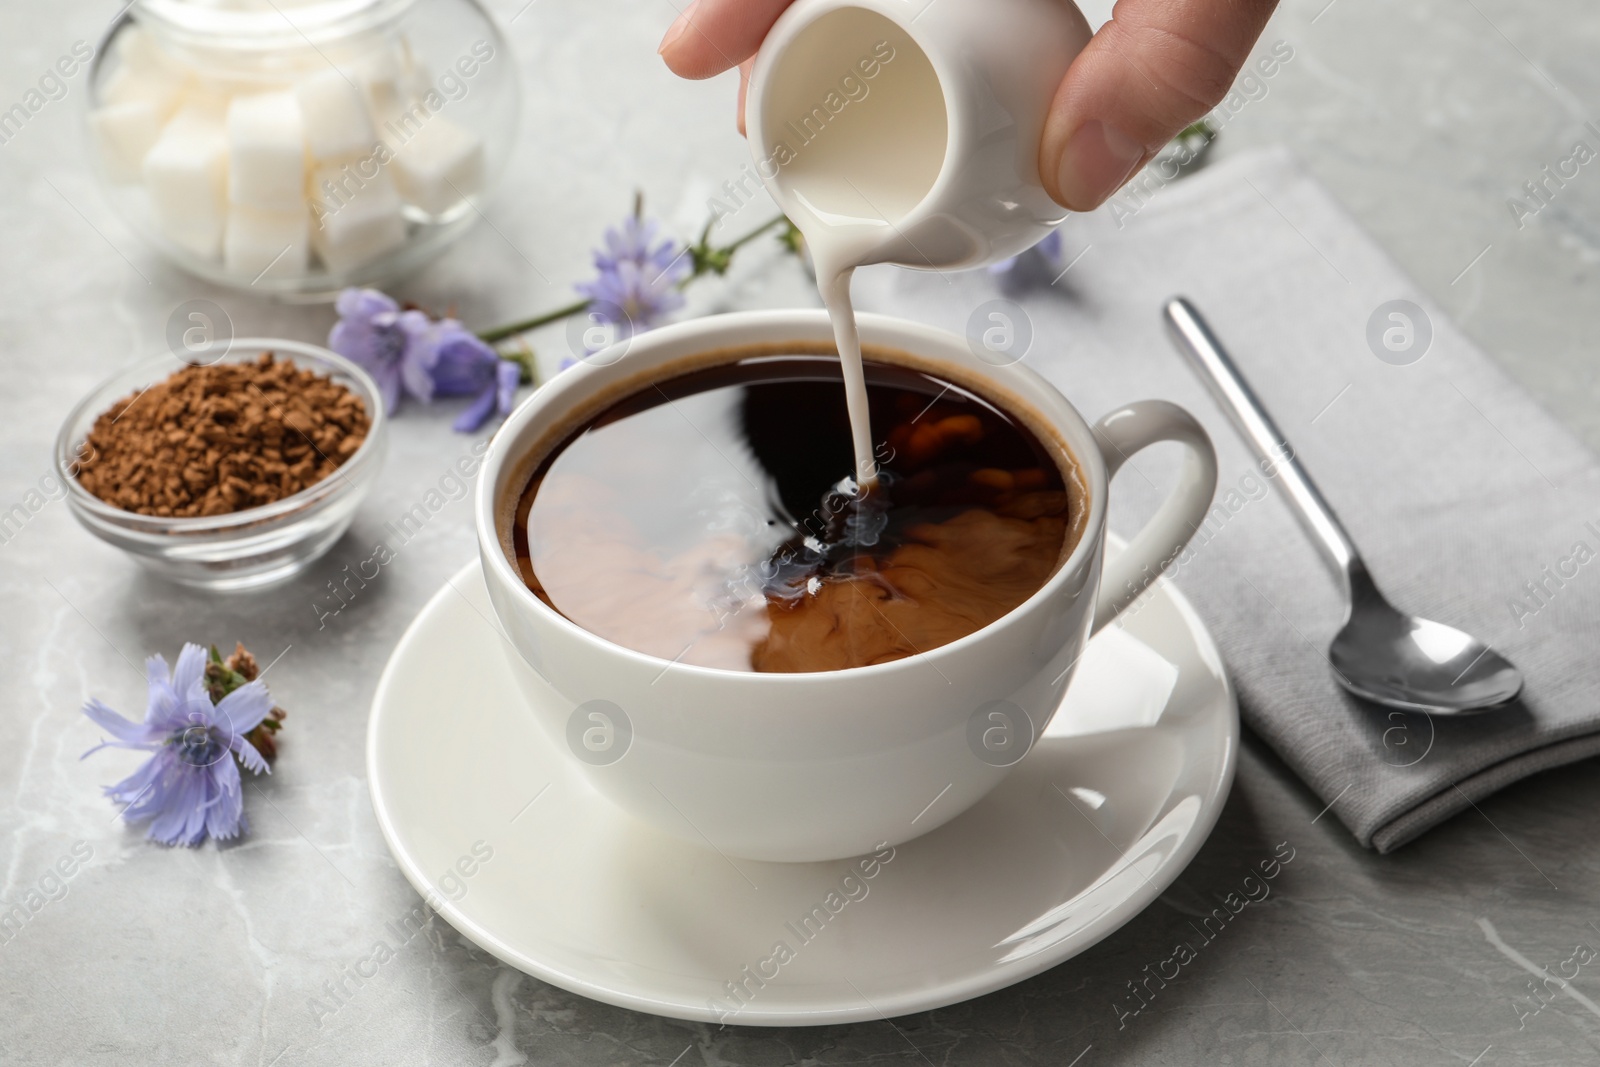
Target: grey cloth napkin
[[1471, 504]]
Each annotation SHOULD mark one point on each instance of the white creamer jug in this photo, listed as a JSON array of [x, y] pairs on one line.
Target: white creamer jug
[[909, 130]]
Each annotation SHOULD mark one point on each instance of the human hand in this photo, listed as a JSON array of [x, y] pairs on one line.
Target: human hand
[[1156, 67]]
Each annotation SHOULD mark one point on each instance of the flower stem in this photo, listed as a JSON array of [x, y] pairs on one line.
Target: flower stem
[[716, 260], [525, 360], [501, 333], [706, 259], [757, 232]]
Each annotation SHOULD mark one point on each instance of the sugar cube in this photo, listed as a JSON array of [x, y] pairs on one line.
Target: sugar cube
[[379, 75], [356, 214], [136, 49], [414, 82], [185, 173], [139, 70], [335, 116], [124, 133], [259, 243], [266, 152], [163, 89], [438, 165]]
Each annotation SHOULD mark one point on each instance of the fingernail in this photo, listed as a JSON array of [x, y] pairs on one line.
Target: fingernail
[[1097, 160], [679, 25]]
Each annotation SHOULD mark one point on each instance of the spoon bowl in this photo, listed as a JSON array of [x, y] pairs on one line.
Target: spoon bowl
[[1382, 654], [1415, 664]]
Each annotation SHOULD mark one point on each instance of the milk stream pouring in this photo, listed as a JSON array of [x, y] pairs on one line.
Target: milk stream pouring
[[907, 132]]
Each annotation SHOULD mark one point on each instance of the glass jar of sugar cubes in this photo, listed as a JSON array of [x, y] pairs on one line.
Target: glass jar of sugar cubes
[[296, 147]]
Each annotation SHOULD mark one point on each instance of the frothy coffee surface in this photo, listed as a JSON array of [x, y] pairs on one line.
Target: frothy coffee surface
[[710, 518]]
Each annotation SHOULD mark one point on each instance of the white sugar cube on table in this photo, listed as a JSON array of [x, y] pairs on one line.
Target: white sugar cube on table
[[185, 173], [438, 165], [275, 243], [335, 116], [355, 218], [266, 152], [123, 134]]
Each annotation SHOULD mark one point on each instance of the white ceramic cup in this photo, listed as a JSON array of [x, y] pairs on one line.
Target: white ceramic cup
[[828, 764], [915, 122]]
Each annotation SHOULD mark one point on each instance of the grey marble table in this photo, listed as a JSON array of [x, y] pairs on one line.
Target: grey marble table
[[1424, 118]]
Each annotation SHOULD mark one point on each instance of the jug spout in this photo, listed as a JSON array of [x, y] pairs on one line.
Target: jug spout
[[911, 128]]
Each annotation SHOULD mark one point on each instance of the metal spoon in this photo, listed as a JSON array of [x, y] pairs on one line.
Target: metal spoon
[[1381, 654]]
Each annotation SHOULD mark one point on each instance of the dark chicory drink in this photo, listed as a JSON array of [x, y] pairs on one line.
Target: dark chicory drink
[[709, 518]]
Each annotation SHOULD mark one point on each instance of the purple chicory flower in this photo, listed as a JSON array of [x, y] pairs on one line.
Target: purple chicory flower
[[638, 278], [467, 366], [190, 786], [631, 243], [499, 396], [1038, 266], [396, 347], [459, 369], [408, 351]]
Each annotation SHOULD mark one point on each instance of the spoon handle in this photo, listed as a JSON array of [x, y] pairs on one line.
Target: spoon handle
[[1216, 368]]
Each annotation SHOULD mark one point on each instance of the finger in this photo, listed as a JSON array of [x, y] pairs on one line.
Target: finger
[[1157, 66], [711, 36], [744, 90]]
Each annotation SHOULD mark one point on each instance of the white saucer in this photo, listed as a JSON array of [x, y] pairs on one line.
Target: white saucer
[[1093, 824]]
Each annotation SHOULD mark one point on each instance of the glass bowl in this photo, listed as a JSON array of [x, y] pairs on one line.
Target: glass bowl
[[244, 549], [299, 149]]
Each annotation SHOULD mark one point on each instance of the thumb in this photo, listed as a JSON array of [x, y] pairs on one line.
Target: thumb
[[1157, 66]]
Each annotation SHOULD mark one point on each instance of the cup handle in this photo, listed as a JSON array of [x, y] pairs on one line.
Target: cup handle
[[1122, 433]]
